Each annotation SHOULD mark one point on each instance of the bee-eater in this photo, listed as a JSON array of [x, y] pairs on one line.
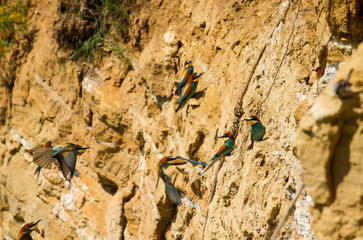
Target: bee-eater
[[26, 230], [319, 72], [188, 90], [48, 145], [258, 130], [187, 71], [163, 164], [343, 87], [224, 150], [65, 155]]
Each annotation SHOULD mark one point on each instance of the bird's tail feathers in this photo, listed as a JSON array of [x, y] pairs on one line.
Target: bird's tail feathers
[[179, 107], [37, 171], [212, 160], [76, 173], [181, 104], [211, 163]]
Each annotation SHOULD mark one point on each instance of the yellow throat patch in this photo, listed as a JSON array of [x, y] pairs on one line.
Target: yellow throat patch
[[252, 122]]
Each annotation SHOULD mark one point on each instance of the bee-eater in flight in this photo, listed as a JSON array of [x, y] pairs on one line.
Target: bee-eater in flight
[[65, 155], [163, 164], [48, 145]]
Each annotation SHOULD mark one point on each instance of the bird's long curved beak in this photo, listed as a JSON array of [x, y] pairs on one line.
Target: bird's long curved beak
[[35, 226], [37, 221], [224, 138], [84, 148]]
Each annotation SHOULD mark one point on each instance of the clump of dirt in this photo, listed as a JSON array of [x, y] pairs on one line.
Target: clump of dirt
[[72, 26], [346, 21]]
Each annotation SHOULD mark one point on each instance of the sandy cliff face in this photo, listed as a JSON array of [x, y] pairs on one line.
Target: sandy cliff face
[[257, 57]]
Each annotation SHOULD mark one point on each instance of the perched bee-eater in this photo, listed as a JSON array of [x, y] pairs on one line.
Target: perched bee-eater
[[187, 71], [26, 230], [189, 89], [163, 164], [48, 145], [65, 155], [224, 150], [343, 87], [258, 130], [319, 72]]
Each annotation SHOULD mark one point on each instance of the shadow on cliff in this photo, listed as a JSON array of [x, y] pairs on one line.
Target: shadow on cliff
[[340, 165], [108, 185], [198, 95], [168, 213]]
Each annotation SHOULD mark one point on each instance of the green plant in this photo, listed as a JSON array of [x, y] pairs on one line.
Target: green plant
[[88, 48], [4, 47], [3, 81], [118, 51], [111, 27], [13, 25]]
